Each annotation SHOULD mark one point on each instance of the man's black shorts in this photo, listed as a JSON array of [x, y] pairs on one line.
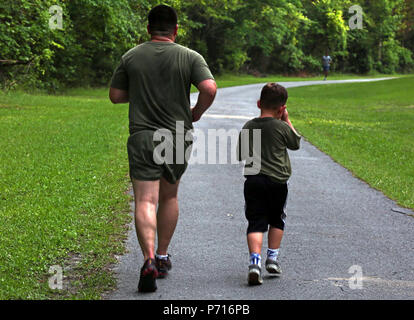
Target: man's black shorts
[[265, 201]]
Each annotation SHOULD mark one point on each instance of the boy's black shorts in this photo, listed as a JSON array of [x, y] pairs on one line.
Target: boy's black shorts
[[265, 202]]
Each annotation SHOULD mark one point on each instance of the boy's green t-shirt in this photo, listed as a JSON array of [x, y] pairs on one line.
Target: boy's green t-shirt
[[276, 137], [158, 77]]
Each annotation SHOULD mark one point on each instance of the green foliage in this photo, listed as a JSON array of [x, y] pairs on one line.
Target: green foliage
[[112, 25], [265, 36], [23, 37], [95, 34]]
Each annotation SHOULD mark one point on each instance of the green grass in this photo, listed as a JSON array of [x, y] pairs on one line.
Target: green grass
[[231, 80], [366, 127], [63, 169]]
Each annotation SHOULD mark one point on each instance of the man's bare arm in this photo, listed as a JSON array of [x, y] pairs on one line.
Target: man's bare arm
[[208, 89], [118, 95]]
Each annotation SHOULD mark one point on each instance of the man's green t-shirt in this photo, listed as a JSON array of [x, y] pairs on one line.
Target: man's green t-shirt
[[276, 137], [158, 78]]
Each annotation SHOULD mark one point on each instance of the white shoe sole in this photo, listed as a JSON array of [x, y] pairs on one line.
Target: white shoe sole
[[254, 277], [273, 270]]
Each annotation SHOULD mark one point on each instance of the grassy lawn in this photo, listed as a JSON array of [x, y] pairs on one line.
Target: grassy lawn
[[231, 80], [366, 127], [63, 169]]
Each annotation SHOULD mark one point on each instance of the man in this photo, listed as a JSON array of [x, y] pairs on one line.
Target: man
[[155, 78], [326, 64]]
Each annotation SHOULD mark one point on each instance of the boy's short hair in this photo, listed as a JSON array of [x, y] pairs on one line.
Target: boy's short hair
[[273, 96], [162, 20]]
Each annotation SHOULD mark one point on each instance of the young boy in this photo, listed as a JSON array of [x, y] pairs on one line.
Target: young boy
[[265, 191]]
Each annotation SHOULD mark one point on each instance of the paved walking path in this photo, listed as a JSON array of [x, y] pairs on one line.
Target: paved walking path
[[334, 221]]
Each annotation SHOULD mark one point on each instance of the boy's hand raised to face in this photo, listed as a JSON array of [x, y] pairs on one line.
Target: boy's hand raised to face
[[282, 114], [285, 115]]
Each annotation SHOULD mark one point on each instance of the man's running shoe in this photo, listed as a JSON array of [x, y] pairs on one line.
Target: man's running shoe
[[255, 275], [163, 266], [273, 267], [148, 276]]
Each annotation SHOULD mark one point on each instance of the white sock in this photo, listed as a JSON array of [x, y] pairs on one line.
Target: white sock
[[161, 257], [272, 254], [255, 258]]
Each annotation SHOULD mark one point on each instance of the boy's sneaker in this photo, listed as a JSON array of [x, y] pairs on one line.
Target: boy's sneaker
[[149, 274], [163, 266], [255, 275], [273, 267]]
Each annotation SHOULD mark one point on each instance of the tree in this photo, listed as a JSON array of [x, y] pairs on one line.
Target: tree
[[257, 36]]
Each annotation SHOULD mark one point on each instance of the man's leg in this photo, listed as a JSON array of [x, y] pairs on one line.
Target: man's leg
[[167, 215], [146, 199]]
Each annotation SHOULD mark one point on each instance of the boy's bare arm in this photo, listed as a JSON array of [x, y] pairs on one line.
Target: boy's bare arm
[[285, 117]]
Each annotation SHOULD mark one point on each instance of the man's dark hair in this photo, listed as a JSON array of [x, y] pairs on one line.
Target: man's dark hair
[[273, 96], [162, 20]]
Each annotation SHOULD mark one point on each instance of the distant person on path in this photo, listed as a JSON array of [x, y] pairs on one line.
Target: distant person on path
[[326, 64], [265, 193], [155, 78]]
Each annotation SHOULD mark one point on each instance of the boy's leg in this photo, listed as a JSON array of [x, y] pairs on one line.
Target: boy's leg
[[277, 226], [255, 204], [274, 238], [254, 242], [254, 195]]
